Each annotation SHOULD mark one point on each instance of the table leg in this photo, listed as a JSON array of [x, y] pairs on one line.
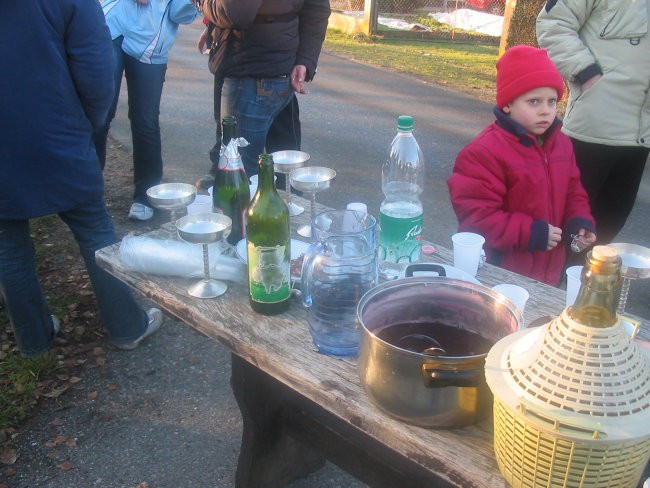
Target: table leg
[[269, 457], [287, 436]]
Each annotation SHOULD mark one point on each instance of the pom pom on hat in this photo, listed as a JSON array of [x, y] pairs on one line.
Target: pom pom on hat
[[524, 68]]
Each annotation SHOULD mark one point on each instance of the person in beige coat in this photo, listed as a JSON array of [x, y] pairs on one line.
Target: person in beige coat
[[602, 50]]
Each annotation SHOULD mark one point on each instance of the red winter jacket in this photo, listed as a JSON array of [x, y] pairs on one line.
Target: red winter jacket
[[508, 188]]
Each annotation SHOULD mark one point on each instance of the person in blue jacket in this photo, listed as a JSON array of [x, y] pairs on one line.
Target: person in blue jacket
[[56, 61], [143, 32]]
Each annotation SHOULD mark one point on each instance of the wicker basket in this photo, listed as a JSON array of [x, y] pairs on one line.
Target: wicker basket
[[571, 406]]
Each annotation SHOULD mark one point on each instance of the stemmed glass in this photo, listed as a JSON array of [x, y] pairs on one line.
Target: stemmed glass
[[636, 265], [311, 180], [172, 196], [204, 229], [284, 162]]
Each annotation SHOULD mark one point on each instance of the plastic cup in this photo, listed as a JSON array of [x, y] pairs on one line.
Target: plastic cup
[[467, 251], [516, 294], [201, 204], [572, 284]]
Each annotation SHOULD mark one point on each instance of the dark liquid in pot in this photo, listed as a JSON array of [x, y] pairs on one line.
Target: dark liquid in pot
[[418, 337]]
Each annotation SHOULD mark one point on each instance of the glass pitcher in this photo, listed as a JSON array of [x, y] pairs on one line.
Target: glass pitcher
[[338, 268]]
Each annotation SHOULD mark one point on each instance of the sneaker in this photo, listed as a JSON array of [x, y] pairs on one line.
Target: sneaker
[[56, 324], [155, 321], [140, 211]]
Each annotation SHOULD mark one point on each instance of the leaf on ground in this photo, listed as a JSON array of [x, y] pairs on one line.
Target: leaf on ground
[[91, 395], [57, 392], [57, 421], [75, 379], [71, 442], [50, 444], [65, 466], [8, 455], [98, 351], [60, 439], [144, 484], [100, 361]]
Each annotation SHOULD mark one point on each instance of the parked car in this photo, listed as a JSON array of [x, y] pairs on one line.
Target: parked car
[[493, 6]]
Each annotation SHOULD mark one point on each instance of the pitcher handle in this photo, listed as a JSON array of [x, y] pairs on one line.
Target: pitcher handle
[[314, 249]]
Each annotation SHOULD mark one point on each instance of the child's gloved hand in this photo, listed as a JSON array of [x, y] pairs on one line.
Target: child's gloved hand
[[554, 237]]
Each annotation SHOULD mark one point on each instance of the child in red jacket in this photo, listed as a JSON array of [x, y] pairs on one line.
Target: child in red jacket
[[517, 183]]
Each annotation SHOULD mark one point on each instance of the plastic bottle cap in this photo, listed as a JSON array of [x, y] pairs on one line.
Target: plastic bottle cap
[[428, 249], [358, 207], [405, 122]]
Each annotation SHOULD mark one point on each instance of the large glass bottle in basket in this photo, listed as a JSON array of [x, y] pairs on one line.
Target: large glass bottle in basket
[[231, 193], [268, 245], [400, 214]]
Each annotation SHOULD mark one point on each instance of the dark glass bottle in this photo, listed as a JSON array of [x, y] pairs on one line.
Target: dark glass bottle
[[231, 193], [269, 245], [597, 299]]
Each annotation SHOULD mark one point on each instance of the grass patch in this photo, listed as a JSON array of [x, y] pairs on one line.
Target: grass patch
[[466, 67], [19, 385]]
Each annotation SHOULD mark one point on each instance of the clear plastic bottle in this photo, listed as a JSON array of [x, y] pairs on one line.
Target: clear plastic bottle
[[400, 214]]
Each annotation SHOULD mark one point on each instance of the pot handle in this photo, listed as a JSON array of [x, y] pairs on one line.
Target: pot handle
[[428, 267], [439, 378]]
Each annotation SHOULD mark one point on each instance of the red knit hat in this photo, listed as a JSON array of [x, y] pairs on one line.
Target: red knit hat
[[523, 68]]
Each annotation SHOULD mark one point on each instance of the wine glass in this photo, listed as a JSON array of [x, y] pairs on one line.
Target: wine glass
[[284, 162], [635, 265], [204, 229], [172, 196], [311, 180]]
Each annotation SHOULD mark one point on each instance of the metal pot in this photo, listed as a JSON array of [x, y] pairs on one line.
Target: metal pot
[[423, 348]]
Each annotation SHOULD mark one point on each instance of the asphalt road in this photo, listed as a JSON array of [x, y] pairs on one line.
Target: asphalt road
[[348, 120]]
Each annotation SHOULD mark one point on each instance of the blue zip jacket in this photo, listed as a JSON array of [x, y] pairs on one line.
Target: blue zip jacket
[[149, 30]]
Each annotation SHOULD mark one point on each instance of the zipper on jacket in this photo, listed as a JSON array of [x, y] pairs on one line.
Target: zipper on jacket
[[604, 31]]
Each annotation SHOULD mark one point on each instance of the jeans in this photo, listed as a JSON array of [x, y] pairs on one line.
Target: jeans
[[122, 316], [144, 83], [255, 103]]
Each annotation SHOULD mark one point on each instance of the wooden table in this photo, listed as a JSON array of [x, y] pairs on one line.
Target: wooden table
[[300, 407]]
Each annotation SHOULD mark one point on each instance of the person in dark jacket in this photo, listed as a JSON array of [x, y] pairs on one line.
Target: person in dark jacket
[[517, 183], [56, 61], [263, 52]]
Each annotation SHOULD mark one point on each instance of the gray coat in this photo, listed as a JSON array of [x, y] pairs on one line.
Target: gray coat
[[587, 37]]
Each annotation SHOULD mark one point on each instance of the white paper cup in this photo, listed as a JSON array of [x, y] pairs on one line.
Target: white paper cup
[[517, 295], [467, 251], [201, 204], [572, 284]]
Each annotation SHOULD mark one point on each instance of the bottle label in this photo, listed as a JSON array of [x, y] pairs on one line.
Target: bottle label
[[399, 238], [268, 273]]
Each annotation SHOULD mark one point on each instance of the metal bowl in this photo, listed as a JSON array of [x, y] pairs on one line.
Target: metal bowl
[[285, 161], [311, 179], [204, 228], [171, 196], [636, 260]]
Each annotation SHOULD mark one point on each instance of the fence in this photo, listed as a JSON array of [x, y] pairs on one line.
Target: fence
[[466, 20]]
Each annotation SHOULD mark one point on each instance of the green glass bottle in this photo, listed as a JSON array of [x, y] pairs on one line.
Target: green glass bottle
[[597, 299], [231, 193], [269, 245]]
